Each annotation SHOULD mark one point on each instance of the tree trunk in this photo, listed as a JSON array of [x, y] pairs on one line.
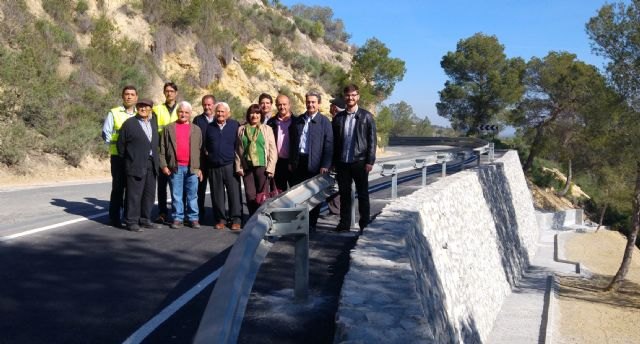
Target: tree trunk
[[631, 238], [535, 148], [567, 186], [604, 210]]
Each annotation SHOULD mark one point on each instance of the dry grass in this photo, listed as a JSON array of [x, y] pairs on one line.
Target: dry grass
[[49, 169], [587, 313]]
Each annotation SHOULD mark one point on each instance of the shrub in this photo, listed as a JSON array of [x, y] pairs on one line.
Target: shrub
[[120, 61], [249, 67], [60, 10], [15, 142], [82, 7]]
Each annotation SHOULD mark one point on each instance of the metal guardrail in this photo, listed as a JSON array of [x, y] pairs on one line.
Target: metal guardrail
[[467, 142], [288, 214]]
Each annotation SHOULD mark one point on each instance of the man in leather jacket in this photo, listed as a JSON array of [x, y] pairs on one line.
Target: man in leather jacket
[[354, 153]]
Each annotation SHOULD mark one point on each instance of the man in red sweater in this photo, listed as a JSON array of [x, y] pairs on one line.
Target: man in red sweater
[[180, 161]]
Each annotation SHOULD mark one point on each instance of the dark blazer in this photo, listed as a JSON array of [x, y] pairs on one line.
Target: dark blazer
[[272, 122], [134, 146], [201, 121], [365, 139], [169, 147], [320, 139]]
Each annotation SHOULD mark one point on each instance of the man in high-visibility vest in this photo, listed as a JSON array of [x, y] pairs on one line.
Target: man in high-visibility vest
[[165, 113], [110, 130]]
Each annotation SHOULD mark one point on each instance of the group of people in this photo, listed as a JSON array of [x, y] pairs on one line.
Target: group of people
[[153, 146]]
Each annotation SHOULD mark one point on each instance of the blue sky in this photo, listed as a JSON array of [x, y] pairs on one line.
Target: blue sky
[[420, 32]]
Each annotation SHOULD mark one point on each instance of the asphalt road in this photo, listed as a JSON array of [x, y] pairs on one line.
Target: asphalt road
[[87, 282]]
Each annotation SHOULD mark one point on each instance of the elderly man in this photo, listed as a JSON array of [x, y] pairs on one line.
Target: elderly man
[[280, 125], [110, 130], [203, 120], [180, 161], [165, 113], [138, 146], [265, 101], [311, 146], [220, 144], [354, 131]]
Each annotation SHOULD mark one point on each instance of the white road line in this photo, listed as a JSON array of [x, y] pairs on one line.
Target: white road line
[[167, 312], [57, 225], [62, 224]]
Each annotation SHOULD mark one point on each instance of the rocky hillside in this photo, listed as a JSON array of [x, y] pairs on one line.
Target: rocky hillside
[[65, 62]]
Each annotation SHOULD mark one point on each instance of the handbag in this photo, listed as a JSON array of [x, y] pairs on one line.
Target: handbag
[[269, 190]]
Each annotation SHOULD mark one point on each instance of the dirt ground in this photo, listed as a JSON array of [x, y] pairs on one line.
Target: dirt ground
[[587, 314], [49, 169]]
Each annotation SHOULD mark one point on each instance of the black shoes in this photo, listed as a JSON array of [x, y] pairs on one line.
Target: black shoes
[[150, 225], [134, 228], [116, 223], [161, 219], [342, 228]]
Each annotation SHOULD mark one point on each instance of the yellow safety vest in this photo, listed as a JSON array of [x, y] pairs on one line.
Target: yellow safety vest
[[163, 115], [119, 116]]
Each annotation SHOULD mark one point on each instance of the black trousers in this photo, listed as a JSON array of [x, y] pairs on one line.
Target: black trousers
[[202, 192], [345, 173], [118, 184], [141, 192], [282, 175], [224, 179], [163, 182], [299, 175], [254, 181]]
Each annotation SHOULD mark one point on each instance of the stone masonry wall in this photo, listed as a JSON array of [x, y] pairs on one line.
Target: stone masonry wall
[[435, 266]]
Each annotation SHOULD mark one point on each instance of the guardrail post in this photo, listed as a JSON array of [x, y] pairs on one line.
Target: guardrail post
[[353, 204], [422, 163], [294, 222], [390, 169], [301, 291], [491, 151], [478, 156], [444, 169]]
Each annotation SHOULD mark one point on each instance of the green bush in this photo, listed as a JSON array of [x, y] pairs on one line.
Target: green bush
[[543, 178], [249, 67], [60, 10], [55, 34], [313, 29], [15, 142], [120, 61], [82, 7]]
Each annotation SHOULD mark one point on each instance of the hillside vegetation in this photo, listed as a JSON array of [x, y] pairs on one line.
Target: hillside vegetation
[[64, 62]]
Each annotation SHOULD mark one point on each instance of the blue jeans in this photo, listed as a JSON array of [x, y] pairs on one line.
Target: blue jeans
[[183, 181]]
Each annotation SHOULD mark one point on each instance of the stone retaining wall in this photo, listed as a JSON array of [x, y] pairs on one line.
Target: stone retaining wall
[[435, 266]]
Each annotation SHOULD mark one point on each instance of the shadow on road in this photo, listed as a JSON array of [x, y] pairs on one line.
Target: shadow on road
[[95, 288], [91, 206]]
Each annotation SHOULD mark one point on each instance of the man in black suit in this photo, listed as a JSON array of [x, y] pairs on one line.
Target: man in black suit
[[203, 120], [311, 146], [354, 132], [138, 146]]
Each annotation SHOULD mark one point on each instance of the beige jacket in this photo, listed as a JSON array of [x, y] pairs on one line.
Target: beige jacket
[[270, 145]]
